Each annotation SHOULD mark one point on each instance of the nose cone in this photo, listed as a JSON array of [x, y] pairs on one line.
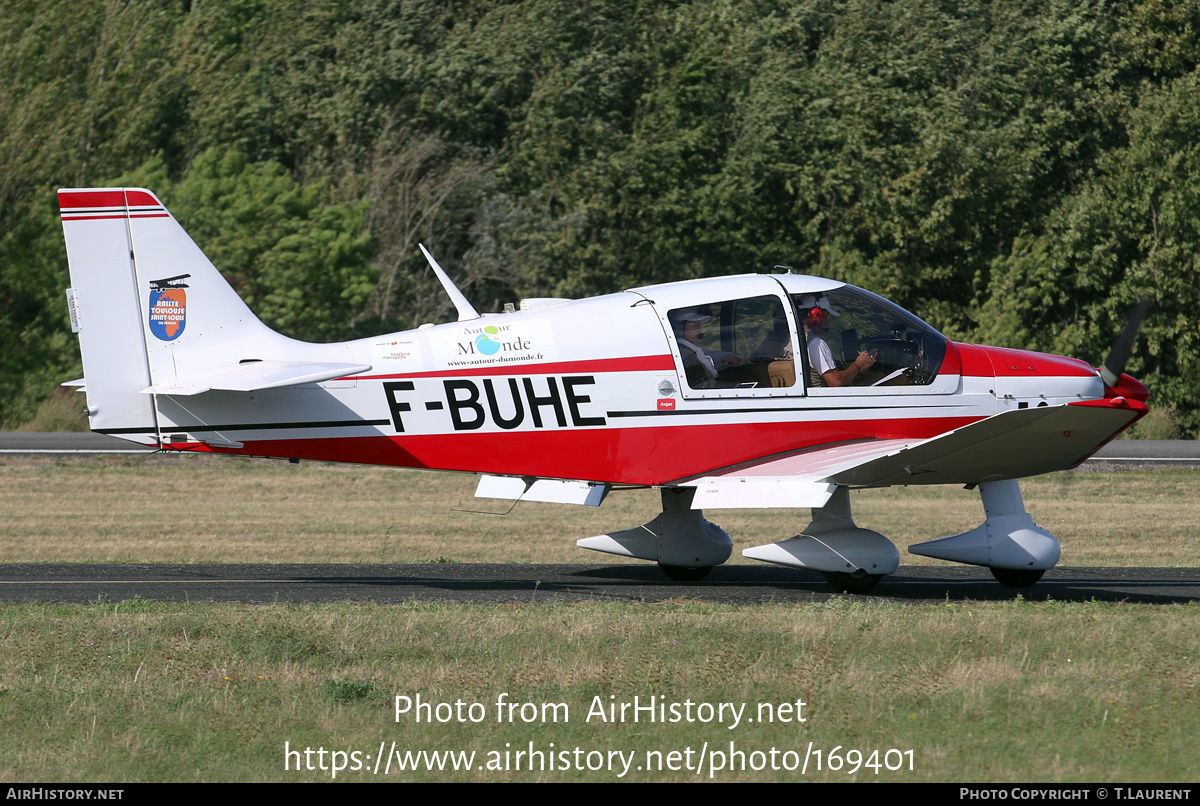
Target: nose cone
[[1128, 387]]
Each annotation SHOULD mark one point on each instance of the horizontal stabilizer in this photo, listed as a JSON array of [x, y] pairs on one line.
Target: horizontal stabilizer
[[255, 375]]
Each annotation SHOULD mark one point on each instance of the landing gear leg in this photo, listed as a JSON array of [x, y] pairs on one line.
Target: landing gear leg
[[680, 540], [852, 559], [1008, 542]]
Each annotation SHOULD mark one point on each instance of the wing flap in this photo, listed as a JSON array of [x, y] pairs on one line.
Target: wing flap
[[548, 491], [256, 375], [760, 492]]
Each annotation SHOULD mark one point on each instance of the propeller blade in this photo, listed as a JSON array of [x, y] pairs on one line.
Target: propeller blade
[[1122, 348]]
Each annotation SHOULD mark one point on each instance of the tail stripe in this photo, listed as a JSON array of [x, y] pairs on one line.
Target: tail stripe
[[92, 205]]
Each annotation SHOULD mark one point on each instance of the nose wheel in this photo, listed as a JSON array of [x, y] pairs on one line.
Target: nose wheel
[[858, 582], [1015, 549], [1016, 577]]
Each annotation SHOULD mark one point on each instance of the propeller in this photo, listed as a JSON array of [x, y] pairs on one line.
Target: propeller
[[1114, 365]]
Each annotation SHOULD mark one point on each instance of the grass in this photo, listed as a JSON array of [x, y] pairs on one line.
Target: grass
[[219, 509], [139, 690], [1001, 692]]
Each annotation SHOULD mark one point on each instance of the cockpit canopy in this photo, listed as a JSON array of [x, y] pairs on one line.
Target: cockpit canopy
[[906, 350], [751, 342]]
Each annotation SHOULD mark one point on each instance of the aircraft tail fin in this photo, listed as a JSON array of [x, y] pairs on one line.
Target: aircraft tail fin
[[147, 304]]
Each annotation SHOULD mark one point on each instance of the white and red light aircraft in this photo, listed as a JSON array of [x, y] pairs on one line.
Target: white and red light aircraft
[[703, 389]]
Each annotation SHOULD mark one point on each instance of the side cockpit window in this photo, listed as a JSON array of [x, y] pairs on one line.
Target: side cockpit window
[[743, 343], [855, 338]]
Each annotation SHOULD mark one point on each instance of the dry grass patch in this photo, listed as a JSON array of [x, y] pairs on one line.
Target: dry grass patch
[[220, 509]]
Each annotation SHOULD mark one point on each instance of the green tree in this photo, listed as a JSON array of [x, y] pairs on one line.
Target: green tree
[[1132, 232], [301, 263]]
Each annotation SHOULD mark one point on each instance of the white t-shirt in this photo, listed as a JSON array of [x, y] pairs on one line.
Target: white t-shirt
[[820, 357]]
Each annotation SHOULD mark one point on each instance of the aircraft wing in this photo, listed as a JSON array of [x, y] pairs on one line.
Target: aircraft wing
[[1014, 444], [255, 375], [803, 479]]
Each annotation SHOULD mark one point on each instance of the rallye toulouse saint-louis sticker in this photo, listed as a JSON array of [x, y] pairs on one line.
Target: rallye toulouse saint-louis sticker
[[168, 307]]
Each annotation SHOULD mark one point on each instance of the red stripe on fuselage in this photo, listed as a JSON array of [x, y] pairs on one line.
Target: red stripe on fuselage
[[641, 363], [653, 455]]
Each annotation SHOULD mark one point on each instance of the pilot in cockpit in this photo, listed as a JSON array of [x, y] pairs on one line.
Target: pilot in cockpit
[[815, 312]]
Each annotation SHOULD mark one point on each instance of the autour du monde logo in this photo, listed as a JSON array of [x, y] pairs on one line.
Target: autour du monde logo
[[492, 339], [494, 342], [488, 342]]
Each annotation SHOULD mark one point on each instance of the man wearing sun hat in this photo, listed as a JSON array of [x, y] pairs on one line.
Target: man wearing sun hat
[[698, 366]]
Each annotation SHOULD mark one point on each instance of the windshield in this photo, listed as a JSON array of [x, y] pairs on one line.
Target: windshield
[[906, 350]]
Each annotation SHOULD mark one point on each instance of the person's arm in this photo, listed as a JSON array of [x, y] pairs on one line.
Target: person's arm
[[844, 377]]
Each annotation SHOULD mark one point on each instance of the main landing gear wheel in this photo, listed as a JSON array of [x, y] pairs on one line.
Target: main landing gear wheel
[[684, 573], [858, 582], [1016, 577]]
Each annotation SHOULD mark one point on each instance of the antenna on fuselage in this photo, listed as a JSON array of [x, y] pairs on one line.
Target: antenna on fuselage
[[465, 309]]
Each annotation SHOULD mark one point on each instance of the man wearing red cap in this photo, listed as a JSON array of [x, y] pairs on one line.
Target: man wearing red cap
[[822, 370]]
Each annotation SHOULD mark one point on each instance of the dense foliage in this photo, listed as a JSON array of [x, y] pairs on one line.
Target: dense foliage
[[1017, 173]]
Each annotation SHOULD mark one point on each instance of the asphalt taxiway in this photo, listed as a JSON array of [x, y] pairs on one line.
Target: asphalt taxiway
[[509, 583]]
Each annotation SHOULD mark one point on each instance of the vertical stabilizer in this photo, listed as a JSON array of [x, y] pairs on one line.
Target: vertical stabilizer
[[150, 306]]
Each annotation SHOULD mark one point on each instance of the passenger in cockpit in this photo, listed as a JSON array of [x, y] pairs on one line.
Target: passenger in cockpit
[[698, 366]]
